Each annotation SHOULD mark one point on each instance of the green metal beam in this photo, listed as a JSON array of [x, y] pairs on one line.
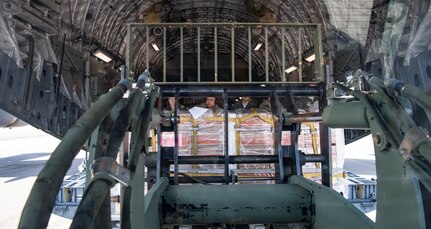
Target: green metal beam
[[332, 210], [399, 196], [398, 188], [137, 200], [319, 54], [236, 204], [152, 204], [350, 115]]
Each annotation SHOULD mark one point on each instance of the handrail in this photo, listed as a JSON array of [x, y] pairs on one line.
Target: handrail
[[239, 40]]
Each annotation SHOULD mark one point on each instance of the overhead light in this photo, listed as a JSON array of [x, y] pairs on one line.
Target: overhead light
[[103, 56], [311, 58], [258, 46], [184, 227], [155, 47], [291, 69], [263, 85]]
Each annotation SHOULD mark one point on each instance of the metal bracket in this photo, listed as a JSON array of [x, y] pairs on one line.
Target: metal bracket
[[414, 137], [108, 169]]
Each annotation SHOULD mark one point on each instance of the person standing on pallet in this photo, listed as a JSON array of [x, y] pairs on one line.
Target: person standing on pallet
[[170, 106], [244, 103], [211, 103], [266, 104]]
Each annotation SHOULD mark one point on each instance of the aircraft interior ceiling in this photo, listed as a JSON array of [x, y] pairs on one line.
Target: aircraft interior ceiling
[[94, 25]]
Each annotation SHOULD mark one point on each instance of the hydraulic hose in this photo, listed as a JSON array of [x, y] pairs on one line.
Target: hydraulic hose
[[140, 124], [95, 197], [41, 200], [94, 206], [412, 92]]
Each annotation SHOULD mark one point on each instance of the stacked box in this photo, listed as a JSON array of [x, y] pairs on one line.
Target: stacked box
[[207, 131], [256, 134], [309, 143]]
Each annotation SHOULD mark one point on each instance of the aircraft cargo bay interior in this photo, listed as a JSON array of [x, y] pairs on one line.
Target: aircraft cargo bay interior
[[192, 114]]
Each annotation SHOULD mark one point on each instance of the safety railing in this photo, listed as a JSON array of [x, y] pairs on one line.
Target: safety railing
[[257, 52]]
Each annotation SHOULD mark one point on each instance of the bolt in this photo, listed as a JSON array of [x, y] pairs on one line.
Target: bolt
[[377, 139]]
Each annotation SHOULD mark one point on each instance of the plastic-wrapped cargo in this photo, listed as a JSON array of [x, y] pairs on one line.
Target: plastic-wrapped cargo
[[254, 135], [201, 135], [251, 132], [309, 143]]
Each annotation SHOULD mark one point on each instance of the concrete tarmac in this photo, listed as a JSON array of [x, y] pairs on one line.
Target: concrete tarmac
[[23, 153]]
